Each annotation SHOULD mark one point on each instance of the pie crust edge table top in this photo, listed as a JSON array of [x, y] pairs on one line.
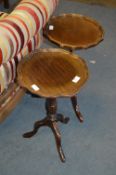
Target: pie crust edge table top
[[52, 73], [74, 31]]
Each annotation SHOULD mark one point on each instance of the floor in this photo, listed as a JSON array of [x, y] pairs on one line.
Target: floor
[[90, 148], [108, 3]]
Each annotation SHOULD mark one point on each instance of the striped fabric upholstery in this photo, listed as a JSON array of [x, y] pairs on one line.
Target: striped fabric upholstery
[[20, 34], [8, 69], [22, 24]]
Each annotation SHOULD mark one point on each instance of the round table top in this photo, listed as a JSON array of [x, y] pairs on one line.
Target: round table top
[[74, 31], [52, 73]]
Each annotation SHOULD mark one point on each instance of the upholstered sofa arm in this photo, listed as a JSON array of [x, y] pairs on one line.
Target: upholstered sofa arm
[[25, 21], [19, 35], [8, 69]]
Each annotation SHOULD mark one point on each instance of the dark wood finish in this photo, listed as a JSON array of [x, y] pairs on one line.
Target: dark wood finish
[[53, 73], [6, 4], [74, 31], [76, 108], [51, 121], [9, 99]]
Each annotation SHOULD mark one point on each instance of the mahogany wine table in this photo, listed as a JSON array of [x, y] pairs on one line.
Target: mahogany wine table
[[53, 73], [74, 31]]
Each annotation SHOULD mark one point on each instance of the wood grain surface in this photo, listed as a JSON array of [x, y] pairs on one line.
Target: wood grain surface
[[52, 73], [74, 31]]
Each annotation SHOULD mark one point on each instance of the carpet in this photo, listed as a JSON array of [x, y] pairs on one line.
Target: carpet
[[90, 148], [109, 3]]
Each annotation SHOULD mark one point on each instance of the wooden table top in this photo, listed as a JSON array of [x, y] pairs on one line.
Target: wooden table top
[[52, 73], [74, 31]]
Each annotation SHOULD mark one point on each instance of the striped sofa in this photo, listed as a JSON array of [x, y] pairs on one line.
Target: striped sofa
[[20, 33]]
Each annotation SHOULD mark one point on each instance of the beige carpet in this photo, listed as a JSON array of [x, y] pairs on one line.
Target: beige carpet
[[109, 3]]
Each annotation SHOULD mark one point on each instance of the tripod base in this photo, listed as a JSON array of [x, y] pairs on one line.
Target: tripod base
[[51, 121]]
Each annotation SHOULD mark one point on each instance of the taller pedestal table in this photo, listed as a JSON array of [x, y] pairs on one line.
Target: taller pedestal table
[[53, 73]]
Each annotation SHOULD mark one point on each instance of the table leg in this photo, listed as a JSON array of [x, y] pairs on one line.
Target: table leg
[[37, 125], [57, 135], [62, 119], [51, 108], [76, 108], [51, 121]]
